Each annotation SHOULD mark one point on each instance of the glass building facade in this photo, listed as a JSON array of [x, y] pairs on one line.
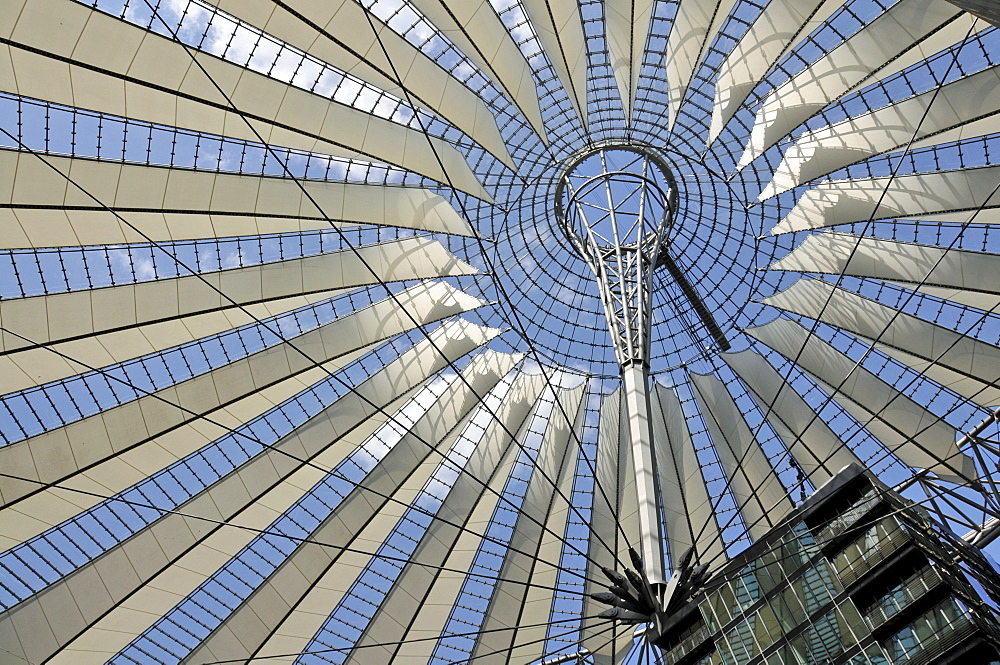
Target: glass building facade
[[856, 576]]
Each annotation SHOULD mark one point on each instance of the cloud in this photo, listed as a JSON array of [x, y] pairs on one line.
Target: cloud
[[232, 260], [137, 262], [194, 19], [347, 91], [308, 73], [288, 326]]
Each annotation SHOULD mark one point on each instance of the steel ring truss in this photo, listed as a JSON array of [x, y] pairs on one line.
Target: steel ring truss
[[298, 366]]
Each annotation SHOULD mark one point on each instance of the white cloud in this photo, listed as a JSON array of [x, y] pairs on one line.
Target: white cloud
[[232, 259], [328, 83], [288, 326], [239, 44], [220, 33], [265, 51], [347, 91], [138, 262], [422, 31], [307, 74], [194, 21]]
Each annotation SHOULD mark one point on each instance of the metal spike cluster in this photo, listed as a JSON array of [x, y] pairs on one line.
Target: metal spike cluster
[[633, 599]]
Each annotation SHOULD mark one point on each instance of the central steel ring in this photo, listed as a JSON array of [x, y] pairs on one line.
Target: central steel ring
[[615, 196]]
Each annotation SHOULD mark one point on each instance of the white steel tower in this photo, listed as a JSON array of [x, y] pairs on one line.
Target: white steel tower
[[615, 202]]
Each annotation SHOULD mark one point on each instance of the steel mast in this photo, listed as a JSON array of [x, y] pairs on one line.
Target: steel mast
[[615, 203]]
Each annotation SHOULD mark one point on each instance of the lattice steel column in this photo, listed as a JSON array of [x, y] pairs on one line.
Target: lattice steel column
[[615, 204]]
